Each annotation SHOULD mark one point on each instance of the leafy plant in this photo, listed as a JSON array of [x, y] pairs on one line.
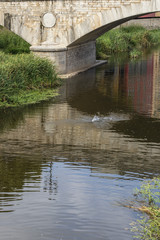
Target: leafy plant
[[132, 39], [148, 227], [135, 53]]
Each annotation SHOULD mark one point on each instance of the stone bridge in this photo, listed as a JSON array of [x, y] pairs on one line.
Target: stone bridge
[[65, 30]]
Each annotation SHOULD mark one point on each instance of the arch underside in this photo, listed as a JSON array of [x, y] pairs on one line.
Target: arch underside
[[93, 35]]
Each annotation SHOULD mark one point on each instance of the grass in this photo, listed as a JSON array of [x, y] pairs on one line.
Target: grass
[[133, 40], [12, 43], [148, 227], [28, 97], [25, 73], [24, 78]]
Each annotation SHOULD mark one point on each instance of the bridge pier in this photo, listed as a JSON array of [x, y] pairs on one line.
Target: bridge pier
[[68, 59]]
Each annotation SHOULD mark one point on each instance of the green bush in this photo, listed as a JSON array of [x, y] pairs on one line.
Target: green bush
[[24, 72], [24, 78], [132, 39]]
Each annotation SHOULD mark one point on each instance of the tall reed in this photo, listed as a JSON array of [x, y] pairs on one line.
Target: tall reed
[[24, 72], [24, 78]]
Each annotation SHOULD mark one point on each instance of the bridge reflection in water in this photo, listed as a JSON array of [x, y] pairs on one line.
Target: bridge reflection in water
[[60, 172], [121, 94], [118, 93]]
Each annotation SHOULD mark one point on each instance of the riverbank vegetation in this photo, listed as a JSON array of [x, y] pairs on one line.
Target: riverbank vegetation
[[132, 40], [11, 43], [148, 228], [24, 78]]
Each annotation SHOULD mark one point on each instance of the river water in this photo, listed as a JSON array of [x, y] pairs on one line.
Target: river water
[[68, 166]]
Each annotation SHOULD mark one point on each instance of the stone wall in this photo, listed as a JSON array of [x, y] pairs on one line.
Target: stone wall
[[71, 59], [83, 55]]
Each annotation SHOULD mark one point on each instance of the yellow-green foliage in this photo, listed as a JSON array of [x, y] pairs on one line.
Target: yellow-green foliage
[[148, 228], [132, 39]]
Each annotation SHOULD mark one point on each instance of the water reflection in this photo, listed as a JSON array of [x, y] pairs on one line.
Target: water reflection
[[16, 176], [62, 174], [70, 213]]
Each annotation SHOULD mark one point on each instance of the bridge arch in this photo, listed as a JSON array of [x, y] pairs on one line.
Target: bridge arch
[[108, 16], [94, 34]]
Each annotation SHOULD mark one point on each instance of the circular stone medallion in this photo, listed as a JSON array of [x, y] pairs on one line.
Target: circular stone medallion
[[48, 20]]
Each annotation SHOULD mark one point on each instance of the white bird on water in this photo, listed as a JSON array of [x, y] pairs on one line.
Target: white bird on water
[[95, 118]]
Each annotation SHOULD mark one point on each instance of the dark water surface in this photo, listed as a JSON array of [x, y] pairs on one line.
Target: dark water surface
[[65, 176]]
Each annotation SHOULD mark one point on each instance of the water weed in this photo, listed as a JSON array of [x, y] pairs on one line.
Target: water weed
[[148, 227], [28, 97]]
